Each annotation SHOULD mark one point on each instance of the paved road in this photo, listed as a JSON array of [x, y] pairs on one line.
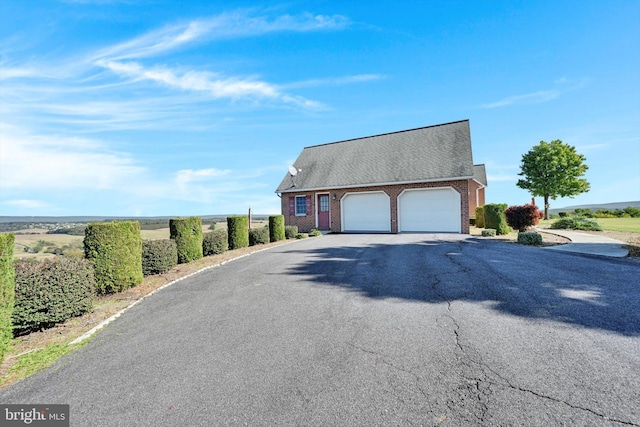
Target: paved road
[[368, 330]]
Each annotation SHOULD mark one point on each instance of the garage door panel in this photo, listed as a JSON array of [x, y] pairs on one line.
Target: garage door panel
[[366, 212], [436, 210]]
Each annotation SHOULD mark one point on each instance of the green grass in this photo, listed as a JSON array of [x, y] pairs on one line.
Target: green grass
[[30, 363], [630, 225]]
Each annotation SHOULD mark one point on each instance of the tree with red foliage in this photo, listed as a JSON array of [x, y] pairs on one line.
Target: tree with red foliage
[[522, 217]]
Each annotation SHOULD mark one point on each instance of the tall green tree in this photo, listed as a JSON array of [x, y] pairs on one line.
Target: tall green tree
[[551, 170]]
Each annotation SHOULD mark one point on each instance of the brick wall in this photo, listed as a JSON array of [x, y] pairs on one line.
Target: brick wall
[[476, 198], [306, 223]]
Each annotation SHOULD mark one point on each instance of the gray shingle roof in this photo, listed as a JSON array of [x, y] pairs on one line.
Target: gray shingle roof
[[425, 154], [480, 174]]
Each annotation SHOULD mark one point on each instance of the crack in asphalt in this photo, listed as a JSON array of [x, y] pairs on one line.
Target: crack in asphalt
[[486, 369]]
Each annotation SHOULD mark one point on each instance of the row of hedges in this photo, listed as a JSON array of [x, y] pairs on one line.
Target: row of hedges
[[6, 291], [37, 295]]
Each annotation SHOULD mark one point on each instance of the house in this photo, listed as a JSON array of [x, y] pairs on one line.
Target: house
[[417, 180]]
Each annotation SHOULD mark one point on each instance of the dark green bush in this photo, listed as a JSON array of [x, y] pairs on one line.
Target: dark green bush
[[259, 236], [472, 220], [7, 291], [290, 231], [215, 242], [158, 256], [51, 292], [561, 214], [276, 228], [480, 217], [494, 218], [116, 251], [238, 231], [315, 233], [488, 232], [529, 238], [576, 223], [187, 233]]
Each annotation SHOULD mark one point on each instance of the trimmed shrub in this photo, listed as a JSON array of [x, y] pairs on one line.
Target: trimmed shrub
[[302, 236], [158, 256], [116, 251], [494, 218], [315, 233], [488, 232], [480, 216], [187, 233], [7, 291], [51, 292], [215, 242], [258, 236], [276, 228], [238, 229], [290, 231], [529, 238], [576, 223], [522, 217]]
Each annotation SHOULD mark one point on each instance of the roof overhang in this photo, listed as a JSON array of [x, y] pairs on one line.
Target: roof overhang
[[376, 184]]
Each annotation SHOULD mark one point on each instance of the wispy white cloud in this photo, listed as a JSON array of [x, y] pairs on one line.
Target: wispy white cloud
[[40, 162], [529, 98], [334, 81], [186, 176], [227, 25], [28, 204]]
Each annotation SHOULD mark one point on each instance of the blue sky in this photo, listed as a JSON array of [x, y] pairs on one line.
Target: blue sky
[[193, 108]]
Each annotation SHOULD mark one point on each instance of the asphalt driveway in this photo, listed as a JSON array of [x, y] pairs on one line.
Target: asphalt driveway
[[407, 329]]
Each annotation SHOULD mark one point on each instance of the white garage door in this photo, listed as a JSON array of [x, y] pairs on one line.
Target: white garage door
[[431, 210], [366, 212]]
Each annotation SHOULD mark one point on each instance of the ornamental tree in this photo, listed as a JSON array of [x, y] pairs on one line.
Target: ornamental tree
[[551, 170]]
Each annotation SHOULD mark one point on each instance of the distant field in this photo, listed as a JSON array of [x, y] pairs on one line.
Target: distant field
[[629, 225], [163, 233]]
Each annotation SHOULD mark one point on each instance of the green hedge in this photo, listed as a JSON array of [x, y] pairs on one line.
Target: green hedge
[[51, 292], [529, 238], [238, 229], [158, 256], [116, 250], [276, 228], [258, 236], [215, 242], [576, 223], [494, 218], [488, 232], [7, 288], [480, 217], [290, 231], [187, 233]]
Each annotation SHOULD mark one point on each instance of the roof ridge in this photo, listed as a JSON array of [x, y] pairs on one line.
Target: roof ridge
[[387, 133]]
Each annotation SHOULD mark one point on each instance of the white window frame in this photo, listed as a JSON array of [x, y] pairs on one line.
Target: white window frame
[[295, 206]]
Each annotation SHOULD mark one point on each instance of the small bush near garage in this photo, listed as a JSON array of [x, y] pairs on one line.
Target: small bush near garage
[[529, 238], [276, 228], [480, 216], [215, 243], [302, 236], [116, 251], [576, 223], [315, 233], [7, 291], [522, 217], [158, 256], [488, 232], [51, 292], [291, 231], [238, 229], [259, 236], [494, 218], [187, 233]]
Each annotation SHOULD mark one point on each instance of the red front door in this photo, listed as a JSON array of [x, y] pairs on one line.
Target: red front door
[[323, 212]]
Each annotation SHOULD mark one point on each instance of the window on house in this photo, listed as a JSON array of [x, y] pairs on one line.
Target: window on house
[[301, 205]]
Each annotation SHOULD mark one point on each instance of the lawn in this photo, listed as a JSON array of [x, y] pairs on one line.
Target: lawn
[[629, 225]]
